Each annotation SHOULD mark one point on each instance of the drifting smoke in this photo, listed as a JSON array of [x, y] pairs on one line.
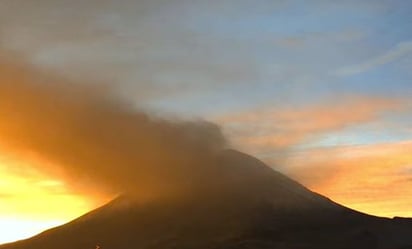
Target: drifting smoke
[[92, 139]]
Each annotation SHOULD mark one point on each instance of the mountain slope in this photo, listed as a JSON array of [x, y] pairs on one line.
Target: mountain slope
[[247, 205]]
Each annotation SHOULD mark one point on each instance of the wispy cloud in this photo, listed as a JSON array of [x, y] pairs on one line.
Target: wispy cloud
[[269, 129], [400, 50], [370, 178]]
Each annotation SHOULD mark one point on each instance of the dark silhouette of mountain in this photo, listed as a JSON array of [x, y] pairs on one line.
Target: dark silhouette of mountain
[[247, 205]]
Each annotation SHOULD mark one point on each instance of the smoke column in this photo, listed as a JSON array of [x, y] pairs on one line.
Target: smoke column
[[93, 139]]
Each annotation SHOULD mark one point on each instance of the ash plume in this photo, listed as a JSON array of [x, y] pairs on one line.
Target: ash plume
[[93, 139]]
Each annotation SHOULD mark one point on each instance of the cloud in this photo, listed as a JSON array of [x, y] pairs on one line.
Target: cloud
[[400, 50], [264, 130], [329, 37], [155, 47], [170, 49], [371, 178], [87, 136]]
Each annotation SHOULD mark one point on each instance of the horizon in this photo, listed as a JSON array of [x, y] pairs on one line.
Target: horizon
[[318, 91]]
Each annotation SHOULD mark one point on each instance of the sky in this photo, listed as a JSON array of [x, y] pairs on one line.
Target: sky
[[320, 90]]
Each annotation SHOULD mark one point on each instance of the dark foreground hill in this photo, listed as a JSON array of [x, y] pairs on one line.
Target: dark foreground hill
[[248, 206]]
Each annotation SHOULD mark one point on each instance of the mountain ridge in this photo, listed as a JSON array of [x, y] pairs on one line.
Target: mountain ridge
[[248, 205]]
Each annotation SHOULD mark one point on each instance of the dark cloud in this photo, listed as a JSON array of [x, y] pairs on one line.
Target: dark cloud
[[92, 139]]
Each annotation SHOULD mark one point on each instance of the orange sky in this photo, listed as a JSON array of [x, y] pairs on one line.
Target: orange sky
[[376, 179], [31, 202], [373, 177]]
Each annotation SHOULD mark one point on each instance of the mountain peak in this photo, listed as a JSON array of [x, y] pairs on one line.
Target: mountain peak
[[245, 205]]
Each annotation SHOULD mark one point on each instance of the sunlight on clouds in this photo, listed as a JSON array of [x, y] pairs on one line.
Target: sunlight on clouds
[[31, 203], [269, 129], [372, 178], [18, 229]]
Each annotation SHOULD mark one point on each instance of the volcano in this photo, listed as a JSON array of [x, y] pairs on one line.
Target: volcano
[[247, 205]]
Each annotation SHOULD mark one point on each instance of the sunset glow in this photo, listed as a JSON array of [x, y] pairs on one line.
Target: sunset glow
[[372, 178], [31, 203]]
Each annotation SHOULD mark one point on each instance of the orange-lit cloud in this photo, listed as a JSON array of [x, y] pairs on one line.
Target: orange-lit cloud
[[372, 178], [31, 202], [273, 129], [75, 144], [92, 139]]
